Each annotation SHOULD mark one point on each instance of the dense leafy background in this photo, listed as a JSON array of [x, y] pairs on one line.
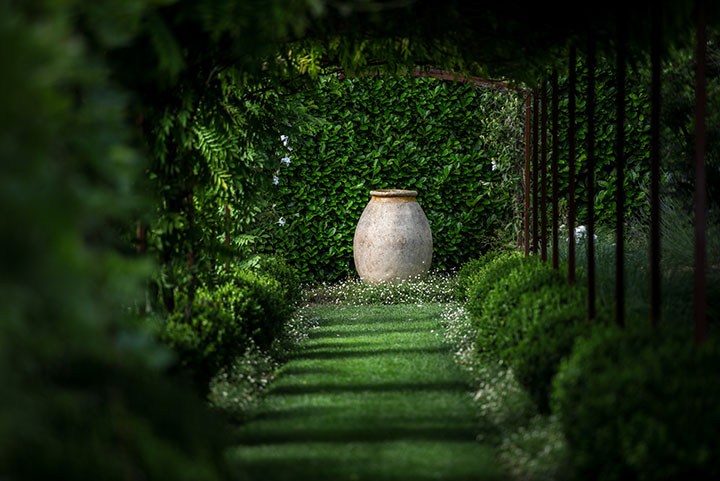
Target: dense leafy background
[[637, 142], [459, 146]]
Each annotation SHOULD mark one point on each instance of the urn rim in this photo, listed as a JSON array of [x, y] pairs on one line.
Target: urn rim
[[393, 193]]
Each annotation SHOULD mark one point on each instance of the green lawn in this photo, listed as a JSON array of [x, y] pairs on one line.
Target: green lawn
[[373, 394]]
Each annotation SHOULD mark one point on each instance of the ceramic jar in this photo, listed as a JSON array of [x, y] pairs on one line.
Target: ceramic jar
[[392, 240]]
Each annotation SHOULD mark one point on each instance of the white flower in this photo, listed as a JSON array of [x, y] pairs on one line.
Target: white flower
[[581, 233], [285, 160], [284, 139], [281, 221], [493, 164], [276, 179]]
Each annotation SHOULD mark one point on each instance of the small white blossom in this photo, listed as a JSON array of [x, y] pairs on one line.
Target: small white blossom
[[276, 179], [581, 233], [493, 164], [284, 139], [281, 221], [285, 160]]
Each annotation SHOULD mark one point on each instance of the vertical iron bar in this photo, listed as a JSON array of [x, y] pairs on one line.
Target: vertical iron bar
[[536, 113], [590, 112], [141, 237], [700, 178], [554, 169], [526, 237], [543, 174], [227, 234], [620, 179], [655, 166], [571, 164]]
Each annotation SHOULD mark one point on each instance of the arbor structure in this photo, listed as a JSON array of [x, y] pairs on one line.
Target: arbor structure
[[110, 110]]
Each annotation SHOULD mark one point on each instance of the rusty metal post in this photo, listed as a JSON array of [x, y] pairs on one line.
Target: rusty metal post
[[655, 165], [590, 112], [571, 163], [554, 170], [227, 233], [700, 176], [620, 172], [536, 113], [526, 226], [543, 174], [141, 237]]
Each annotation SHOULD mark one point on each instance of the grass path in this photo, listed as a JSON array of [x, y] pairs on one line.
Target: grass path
[[374, 394]]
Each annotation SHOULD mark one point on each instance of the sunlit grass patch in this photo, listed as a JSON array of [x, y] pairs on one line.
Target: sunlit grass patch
[[372, 394]]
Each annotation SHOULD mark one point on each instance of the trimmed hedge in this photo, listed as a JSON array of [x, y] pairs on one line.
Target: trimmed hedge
[[484, 280], [508, 297], [641, 404], [250, 308], [526, 315], [469, 273], [278, 268], [547, 340]]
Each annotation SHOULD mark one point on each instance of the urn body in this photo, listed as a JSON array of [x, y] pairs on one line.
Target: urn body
[[393, 241]]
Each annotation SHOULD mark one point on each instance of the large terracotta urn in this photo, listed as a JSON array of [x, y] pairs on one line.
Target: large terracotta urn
[[392, 240]]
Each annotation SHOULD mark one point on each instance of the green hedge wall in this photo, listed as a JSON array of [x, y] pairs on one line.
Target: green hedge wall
[[457, 145]]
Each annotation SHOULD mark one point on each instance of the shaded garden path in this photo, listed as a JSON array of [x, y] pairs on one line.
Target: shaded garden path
[[372, 394]]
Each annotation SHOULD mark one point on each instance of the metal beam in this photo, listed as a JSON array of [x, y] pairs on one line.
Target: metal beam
[[655, 274], [536, 113], [554, 169], [526, 223], [571, 163], [620, 175], [700, 176], [590, 238], [543, 174]]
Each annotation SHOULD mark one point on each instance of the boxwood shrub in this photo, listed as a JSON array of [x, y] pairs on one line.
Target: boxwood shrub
[[249, 308], [468, 274], [641, 404], [486, 277], [518, 282], [277, 268], [554, 319]]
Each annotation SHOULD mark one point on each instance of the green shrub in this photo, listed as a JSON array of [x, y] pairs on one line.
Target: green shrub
[[92, 419], [468, 273], [278, 268], [527, 282], [641, 404], [552, 328], [250, 308], [526, 277], [485, 279]]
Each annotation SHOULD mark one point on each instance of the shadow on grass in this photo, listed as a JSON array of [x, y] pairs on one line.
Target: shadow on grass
[[371, 321], [439, 429], [297, 389], [306, 370], [347, 353], [335, 468], [335, 333], [338, 344]]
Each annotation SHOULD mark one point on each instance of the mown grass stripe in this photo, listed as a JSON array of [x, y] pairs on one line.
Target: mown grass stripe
[[373, 394]]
